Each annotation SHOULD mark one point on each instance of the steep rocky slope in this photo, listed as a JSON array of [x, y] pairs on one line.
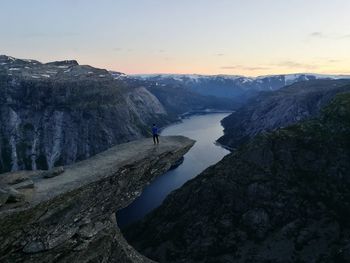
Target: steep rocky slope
[[272, 110], [283, 197], [177, 100], [180, 101], [68, 215], [62, 112]]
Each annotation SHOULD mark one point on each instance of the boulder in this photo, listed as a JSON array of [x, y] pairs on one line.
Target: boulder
[[14, 195], [4, 195], [28, 184], [53, 172]]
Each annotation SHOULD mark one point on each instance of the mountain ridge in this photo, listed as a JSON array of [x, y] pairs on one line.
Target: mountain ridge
[[238, 88], [61, 112], [272, 110], [233, 76], [281, 197]]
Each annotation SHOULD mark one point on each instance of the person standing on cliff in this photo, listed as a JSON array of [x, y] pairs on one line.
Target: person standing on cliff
[[155, 134]]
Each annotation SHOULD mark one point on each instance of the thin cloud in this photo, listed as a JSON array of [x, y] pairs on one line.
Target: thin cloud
[[294, 64], [344, 36], [333, 60], [117, 49], [319, 34], [219, 54], [240, 67], [50, 34], [327, 60]]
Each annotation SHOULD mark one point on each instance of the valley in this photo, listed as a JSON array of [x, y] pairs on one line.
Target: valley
[[281, 197], [281, 192], [153, 131], [204, 130]]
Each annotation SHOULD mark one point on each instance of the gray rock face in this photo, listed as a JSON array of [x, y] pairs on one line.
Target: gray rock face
[[71, 217], [62, 112], [282, 198], [178, 100], [16, 177], [54, 172], [4, 195], [24, 185], [14, 196], [279, 109]]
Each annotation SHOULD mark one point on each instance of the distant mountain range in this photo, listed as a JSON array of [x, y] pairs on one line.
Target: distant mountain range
[[232, 85]]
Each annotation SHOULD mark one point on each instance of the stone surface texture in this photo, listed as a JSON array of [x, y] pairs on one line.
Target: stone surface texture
[[71, 217]]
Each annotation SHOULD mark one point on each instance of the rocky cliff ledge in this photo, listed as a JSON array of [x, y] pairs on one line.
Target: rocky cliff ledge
[[68, 215]]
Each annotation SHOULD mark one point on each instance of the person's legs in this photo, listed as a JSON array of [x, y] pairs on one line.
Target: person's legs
[[154, 139], [157, 139]]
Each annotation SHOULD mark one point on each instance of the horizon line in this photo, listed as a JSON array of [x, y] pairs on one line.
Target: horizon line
[[187, 74]]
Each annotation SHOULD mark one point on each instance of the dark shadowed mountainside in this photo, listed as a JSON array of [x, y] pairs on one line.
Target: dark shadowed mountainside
[[178, 100], [282, 197], [272, 110]]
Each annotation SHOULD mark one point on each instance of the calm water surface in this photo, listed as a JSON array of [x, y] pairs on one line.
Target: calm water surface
[[205, 129]]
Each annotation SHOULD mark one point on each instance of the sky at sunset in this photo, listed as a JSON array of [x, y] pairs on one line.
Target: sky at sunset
[[245, 37]]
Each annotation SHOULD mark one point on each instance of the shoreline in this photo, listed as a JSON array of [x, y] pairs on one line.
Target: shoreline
[[189, 114]]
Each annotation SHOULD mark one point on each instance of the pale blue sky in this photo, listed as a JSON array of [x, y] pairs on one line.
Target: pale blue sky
[[250, 37]]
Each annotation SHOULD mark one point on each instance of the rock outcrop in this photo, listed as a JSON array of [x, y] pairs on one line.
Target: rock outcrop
[[68, 214], [61, 112], [282, 197], [272, 110]]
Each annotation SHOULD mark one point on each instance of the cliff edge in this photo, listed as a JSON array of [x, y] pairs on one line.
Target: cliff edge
[[68, 214]]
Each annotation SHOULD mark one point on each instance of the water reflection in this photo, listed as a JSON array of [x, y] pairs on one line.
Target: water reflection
[[205, 129]]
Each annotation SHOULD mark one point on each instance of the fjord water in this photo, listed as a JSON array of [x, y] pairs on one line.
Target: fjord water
[[205, 130]]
